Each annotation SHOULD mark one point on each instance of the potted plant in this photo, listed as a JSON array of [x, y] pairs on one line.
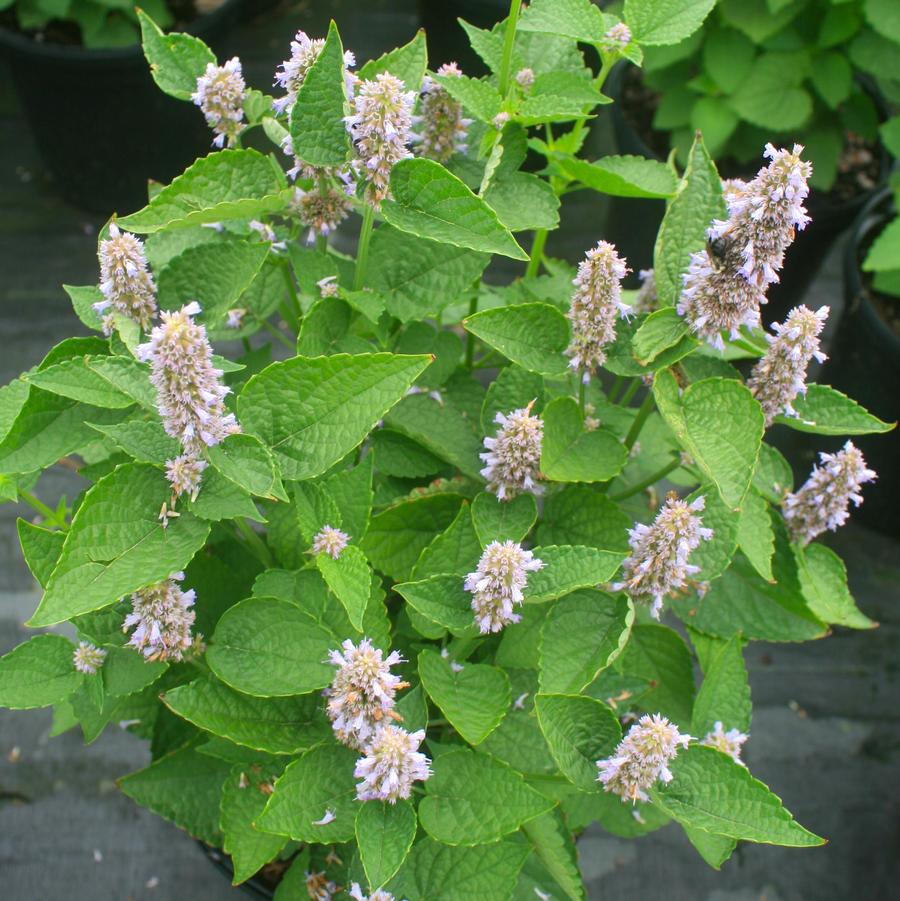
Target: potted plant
[[85, 59], [389, 631], [807, 72]]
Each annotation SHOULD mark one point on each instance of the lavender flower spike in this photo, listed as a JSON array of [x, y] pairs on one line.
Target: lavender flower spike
[[380, 127], [220, 95], [595, 305], [781, 374], [729, 742], [331, 541], [642, 758], [658, 564], [125, 280], [162, 617], [291, 74], [88, 658], [442, 126], [497, 585], [513, 455], [378, 895], [391, 763], [189, 395], [823, 501]]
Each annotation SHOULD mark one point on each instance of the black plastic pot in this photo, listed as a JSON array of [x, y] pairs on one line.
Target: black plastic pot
[[101, 125], [254, 887], [633, 223], [864, 363]]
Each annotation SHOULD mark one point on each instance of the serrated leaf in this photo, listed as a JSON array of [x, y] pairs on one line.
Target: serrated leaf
[[320, 780], [577, 19], [655, 22], [825, 411], [512, 389], [567, 568], [554, 846], [38, 673], [220, 499], [431, 202], [724, 696], [274, 725], [403, 457], [145, 441], [497, 520], [176, 60], [318, 132], [384, 834], [228, 184], [523, 201], [473, 799], [73, 379], [83, 298], [117, 544], [714, 849], [579, 732], [624, 176], [579, 515], [129, 376], [823, 580], [479, 97], [533, 335], [769, 97], [183, 787], [453, 551], [583, 634], [350, 578], [659, 331], [442, 600], [407, 63], [755, 536], [570, 453], [474, 700], [351, 490], [40, 548], [710, 791], [270, 648], [248, 463], [312, 412]]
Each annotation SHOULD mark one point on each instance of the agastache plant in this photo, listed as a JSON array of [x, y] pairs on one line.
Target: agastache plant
[[367, 542]]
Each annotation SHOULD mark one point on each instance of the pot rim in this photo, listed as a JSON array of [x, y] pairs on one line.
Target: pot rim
[[17, 42], [856, 292]]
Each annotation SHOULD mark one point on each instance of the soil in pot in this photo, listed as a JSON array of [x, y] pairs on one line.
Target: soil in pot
[[863, 167], [101, 125]]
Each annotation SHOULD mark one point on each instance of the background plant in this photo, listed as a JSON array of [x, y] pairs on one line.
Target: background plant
[[334, 521]]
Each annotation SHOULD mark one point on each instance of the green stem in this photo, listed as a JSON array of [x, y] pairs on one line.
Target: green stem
[[582, 390], [616, 388], [294, 313], [630, 391], [607, 62], [537, 253], [646, 483], [645, 409], [277, 335], [508, 44], [39, 506], [362, 253], [245, 343], [321, 242], [488, 361], [255, 543], [470, 338]]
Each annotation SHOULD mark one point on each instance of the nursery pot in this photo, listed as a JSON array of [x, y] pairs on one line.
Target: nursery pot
[[100, 123], [865, 365], [255, 887], [633, 224]]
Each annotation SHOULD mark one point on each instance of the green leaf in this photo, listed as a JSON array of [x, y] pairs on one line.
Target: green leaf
[[769, 96], [453, 551], [38, 673], [659, 331], [480, 98], [274, 725], [710, 791], [350, 578], [533, 335], [129, 376], [571, 453], [554, 846], [567, 569], [183, 787], [402, 457], [117, 544], [497, 520], [583, 634], [579, 731], [40, 548], [351, 490], [312, 412], [832, 78], [655, 22], [145, 441], [578, 19], [318, 131], [683, 229], [659, 656], [724, 695], [270, 648], [884, 17], [624, 176], [754, 535], [430, 202], [474, 700], [727, 57], [714, 849], [384, 834], [512, 389], [438, 872], [220, 498], [772, 476], [714, 555], [176, 60], [243, 800], [418, 277], [407, 63], [474, 799], [398, 535], [442, 600], [823, 580], [73, 379], [884, 253], [320, 780], [580, 515], [248, 463], [215, 275], [825, 411], [228, 184], [875, 54], [523, 201]]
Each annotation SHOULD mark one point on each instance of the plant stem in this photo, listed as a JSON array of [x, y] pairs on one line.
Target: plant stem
[[470, 338], [537, 253], [295, 312], [321, 242], [362, 253], [38, 505], [508, 44], [631, 390], [646, 483], [645, 409], [255, 543], [277, 335], [616, 388], [582, 390]]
